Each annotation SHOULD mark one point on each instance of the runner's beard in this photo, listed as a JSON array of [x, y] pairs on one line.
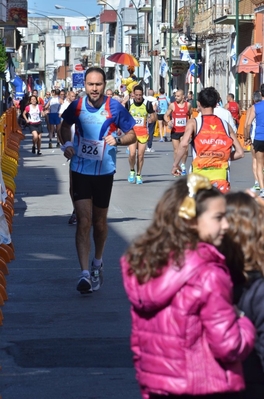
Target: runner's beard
[[96, 103]]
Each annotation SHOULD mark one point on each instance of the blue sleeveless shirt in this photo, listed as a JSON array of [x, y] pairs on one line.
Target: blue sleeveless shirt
[[259, 111]]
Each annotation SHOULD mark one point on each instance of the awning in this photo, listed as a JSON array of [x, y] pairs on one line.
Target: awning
[[250, 59], [230, 19]]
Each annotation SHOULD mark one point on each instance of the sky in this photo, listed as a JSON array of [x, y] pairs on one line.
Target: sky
[[47, 7]]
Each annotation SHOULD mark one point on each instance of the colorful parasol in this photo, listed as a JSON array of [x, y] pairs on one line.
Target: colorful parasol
[[123, 59]]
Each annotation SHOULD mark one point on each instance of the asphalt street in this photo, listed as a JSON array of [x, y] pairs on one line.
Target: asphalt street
[[56, 343]]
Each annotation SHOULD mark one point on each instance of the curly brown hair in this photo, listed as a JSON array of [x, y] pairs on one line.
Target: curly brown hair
[[245, 232], [168, 234]]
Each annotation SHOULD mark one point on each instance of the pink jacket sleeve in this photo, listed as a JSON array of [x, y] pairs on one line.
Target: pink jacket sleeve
[[230, 338]]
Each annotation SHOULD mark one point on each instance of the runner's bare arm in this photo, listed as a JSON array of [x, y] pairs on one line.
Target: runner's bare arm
[[166, 117], [239, 151], [25, 116], [125, 100], [127, 139], [184, 143], [190, 110], [152, 117], [249, 119], [65, 132]]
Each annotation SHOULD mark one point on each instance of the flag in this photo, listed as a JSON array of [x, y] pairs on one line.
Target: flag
[[147, 74], [118, 78], [233, 54], [163, 68]]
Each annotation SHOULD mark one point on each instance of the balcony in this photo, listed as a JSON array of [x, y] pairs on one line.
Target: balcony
[[146, 7], [32, 65], [182, 18], [108, 17], [203, 23], [144, 52]]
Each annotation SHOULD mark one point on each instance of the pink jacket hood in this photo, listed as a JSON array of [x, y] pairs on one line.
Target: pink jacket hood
[[157, 293]]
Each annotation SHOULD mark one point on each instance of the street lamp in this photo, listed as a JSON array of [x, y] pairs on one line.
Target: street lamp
[[56, 22], [58, 7]]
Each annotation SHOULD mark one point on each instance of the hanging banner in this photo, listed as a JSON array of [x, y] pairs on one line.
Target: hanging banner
[[16, 13]]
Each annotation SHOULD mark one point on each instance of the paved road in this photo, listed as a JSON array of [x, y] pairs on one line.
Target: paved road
[[56, 343]]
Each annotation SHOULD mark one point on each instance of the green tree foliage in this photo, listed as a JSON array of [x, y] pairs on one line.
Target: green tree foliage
[[3, 57]]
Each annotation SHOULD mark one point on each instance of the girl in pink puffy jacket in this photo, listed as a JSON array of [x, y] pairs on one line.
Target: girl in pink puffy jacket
[[187, 338]]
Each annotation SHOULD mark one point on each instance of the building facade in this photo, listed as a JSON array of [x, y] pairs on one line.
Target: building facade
[[203, 43]]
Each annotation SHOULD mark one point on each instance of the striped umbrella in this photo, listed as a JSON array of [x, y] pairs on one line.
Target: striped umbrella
[[123, 59]]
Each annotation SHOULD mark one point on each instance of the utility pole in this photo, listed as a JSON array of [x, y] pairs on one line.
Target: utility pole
[[195, 62]]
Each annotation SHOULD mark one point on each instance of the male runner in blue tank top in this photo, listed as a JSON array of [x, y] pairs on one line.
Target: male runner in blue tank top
[[93, 164]]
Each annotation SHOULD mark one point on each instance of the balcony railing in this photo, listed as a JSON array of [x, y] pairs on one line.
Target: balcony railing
[[144, 50]]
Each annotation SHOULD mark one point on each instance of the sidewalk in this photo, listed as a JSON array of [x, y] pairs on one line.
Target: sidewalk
[[56, 343]]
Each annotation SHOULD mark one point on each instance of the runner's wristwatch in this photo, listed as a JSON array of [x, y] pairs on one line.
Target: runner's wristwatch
[[118, 141]]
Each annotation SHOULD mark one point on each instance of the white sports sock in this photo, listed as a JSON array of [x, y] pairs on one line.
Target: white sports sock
[[97, 262]]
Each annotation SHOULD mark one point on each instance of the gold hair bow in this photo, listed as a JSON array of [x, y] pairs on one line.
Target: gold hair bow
[[195, 183]]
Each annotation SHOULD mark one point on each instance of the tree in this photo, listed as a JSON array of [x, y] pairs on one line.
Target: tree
[[3, 59]]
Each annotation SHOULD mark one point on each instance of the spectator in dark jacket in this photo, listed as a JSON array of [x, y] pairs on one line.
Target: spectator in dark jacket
[[243, 247]]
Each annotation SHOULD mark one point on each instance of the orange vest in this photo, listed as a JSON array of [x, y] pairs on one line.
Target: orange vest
[[212, 148]]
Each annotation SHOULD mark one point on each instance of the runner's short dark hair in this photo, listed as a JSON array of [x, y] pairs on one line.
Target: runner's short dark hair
[[138, 87], [208, 97], [95, 69]]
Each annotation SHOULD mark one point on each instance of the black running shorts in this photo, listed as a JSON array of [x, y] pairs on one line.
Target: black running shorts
[[96, 188], [258, 145], [35, 127], [176, 136]]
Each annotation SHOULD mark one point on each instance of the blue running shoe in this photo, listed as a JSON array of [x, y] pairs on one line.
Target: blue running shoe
[[131, 177], [139, 179]]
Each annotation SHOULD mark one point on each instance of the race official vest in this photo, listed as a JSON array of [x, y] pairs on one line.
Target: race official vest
[[179, 117], [140, 114], [234, 110], [212, 148]]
